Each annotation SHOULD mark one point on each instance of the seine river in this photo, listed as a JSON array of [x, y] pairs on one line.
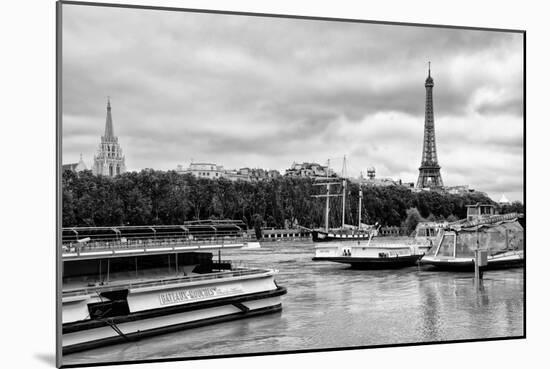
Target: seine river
[[330, 305]]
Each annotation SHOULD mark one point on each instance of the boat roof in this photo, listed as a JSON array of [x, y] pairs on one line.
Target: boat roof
[[487, 221], [124, 241], [197, 228]]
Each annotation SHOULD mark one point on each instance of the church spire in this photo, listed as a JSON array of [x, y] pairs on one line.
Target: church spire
[[109, 160], [109, 131]]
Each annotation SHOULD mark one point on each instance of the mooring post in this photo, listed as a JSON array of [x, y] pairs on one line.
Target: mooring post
[[480, 260], [476, 263], [476, 268]]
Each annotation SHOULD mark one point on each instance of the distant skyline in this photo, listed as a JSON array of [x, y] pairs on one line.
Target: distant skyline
[[263, 92]]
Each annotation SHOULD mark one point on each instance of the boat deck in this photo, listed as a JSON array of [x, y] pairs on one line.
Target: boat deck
[[80, 288], [120, 248]]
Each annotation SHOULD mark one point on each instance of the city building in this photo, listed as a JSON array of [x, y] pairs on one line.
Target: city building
[[462, 190], [109, 160], [371, 173], [214, 171], [236, 175], [372, 180], [244, 171], [458, 190], [309, 170], [429, 176], [271, 174], [75, 167], [203, 170], [381, 182]]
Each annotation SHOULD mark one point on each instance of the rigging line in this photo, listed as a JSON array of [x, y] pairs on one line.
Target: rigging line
[[112, 324]]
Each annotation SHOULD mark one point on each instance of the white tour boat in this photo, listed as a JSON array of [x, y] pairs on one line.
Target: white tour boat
[[369, 255], [121, 284]]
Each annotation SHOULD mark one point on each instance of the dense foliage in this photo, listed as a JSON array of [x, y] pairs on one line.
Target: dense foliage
[[158, 197]]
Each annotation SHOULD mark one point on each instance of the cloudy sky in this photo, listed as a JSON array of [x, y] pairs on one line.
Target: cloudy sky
[[264, 92]]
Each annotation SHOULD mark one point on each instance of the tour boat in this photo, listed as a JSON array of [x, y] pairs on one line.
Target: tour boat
[[500, 236], [369, 255], [121, 284]]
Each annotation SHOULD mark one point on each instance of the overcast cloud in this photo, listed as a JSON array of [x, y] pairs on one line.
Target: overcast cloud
[[264, 92]]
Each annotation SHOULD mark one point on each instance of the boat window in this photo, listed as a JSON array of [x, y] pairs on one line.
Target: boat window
[[465, 244], [447, 246], [433, 248]]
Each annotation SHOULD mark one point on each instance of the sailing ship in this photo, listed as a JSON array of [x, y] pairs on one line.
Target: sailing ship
[[121, 284], [500, 236], [346, 232], [359, 250]]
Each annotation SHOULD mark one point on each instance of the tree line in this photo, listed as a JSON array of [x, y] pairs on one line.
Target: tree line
[[152, 197]]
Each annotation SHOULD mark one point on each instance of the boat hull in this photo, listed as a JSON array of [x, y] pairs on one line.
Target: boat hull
[[374, 263], [85, 335], [320, 236], [465, 265]]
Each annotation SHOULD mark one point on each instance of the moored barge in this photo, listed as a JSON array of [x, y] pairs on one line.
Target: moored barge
[[500, 236]]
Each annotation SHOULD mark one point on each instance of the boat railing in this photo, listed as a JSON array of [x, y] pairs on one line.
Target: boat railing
[[188, 229], [109, 286], [151, 244]]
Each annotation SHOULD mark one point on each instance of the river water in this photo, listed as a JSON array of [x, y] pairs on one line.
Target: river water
[[329, 305]]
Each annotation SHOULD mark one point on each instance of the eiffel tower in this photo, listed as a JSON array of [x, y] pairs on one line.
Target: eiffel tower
[[429, 175]]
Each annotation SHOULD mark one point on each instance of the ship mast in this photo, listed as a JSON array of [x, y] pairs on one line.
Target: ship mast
[[360, 198], [328, 195], [343, 192], [328, 198]]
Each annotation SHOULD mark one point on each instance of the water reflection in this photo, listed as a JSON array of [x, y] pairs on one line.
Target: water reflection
[[330, 305], [431, 314]]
